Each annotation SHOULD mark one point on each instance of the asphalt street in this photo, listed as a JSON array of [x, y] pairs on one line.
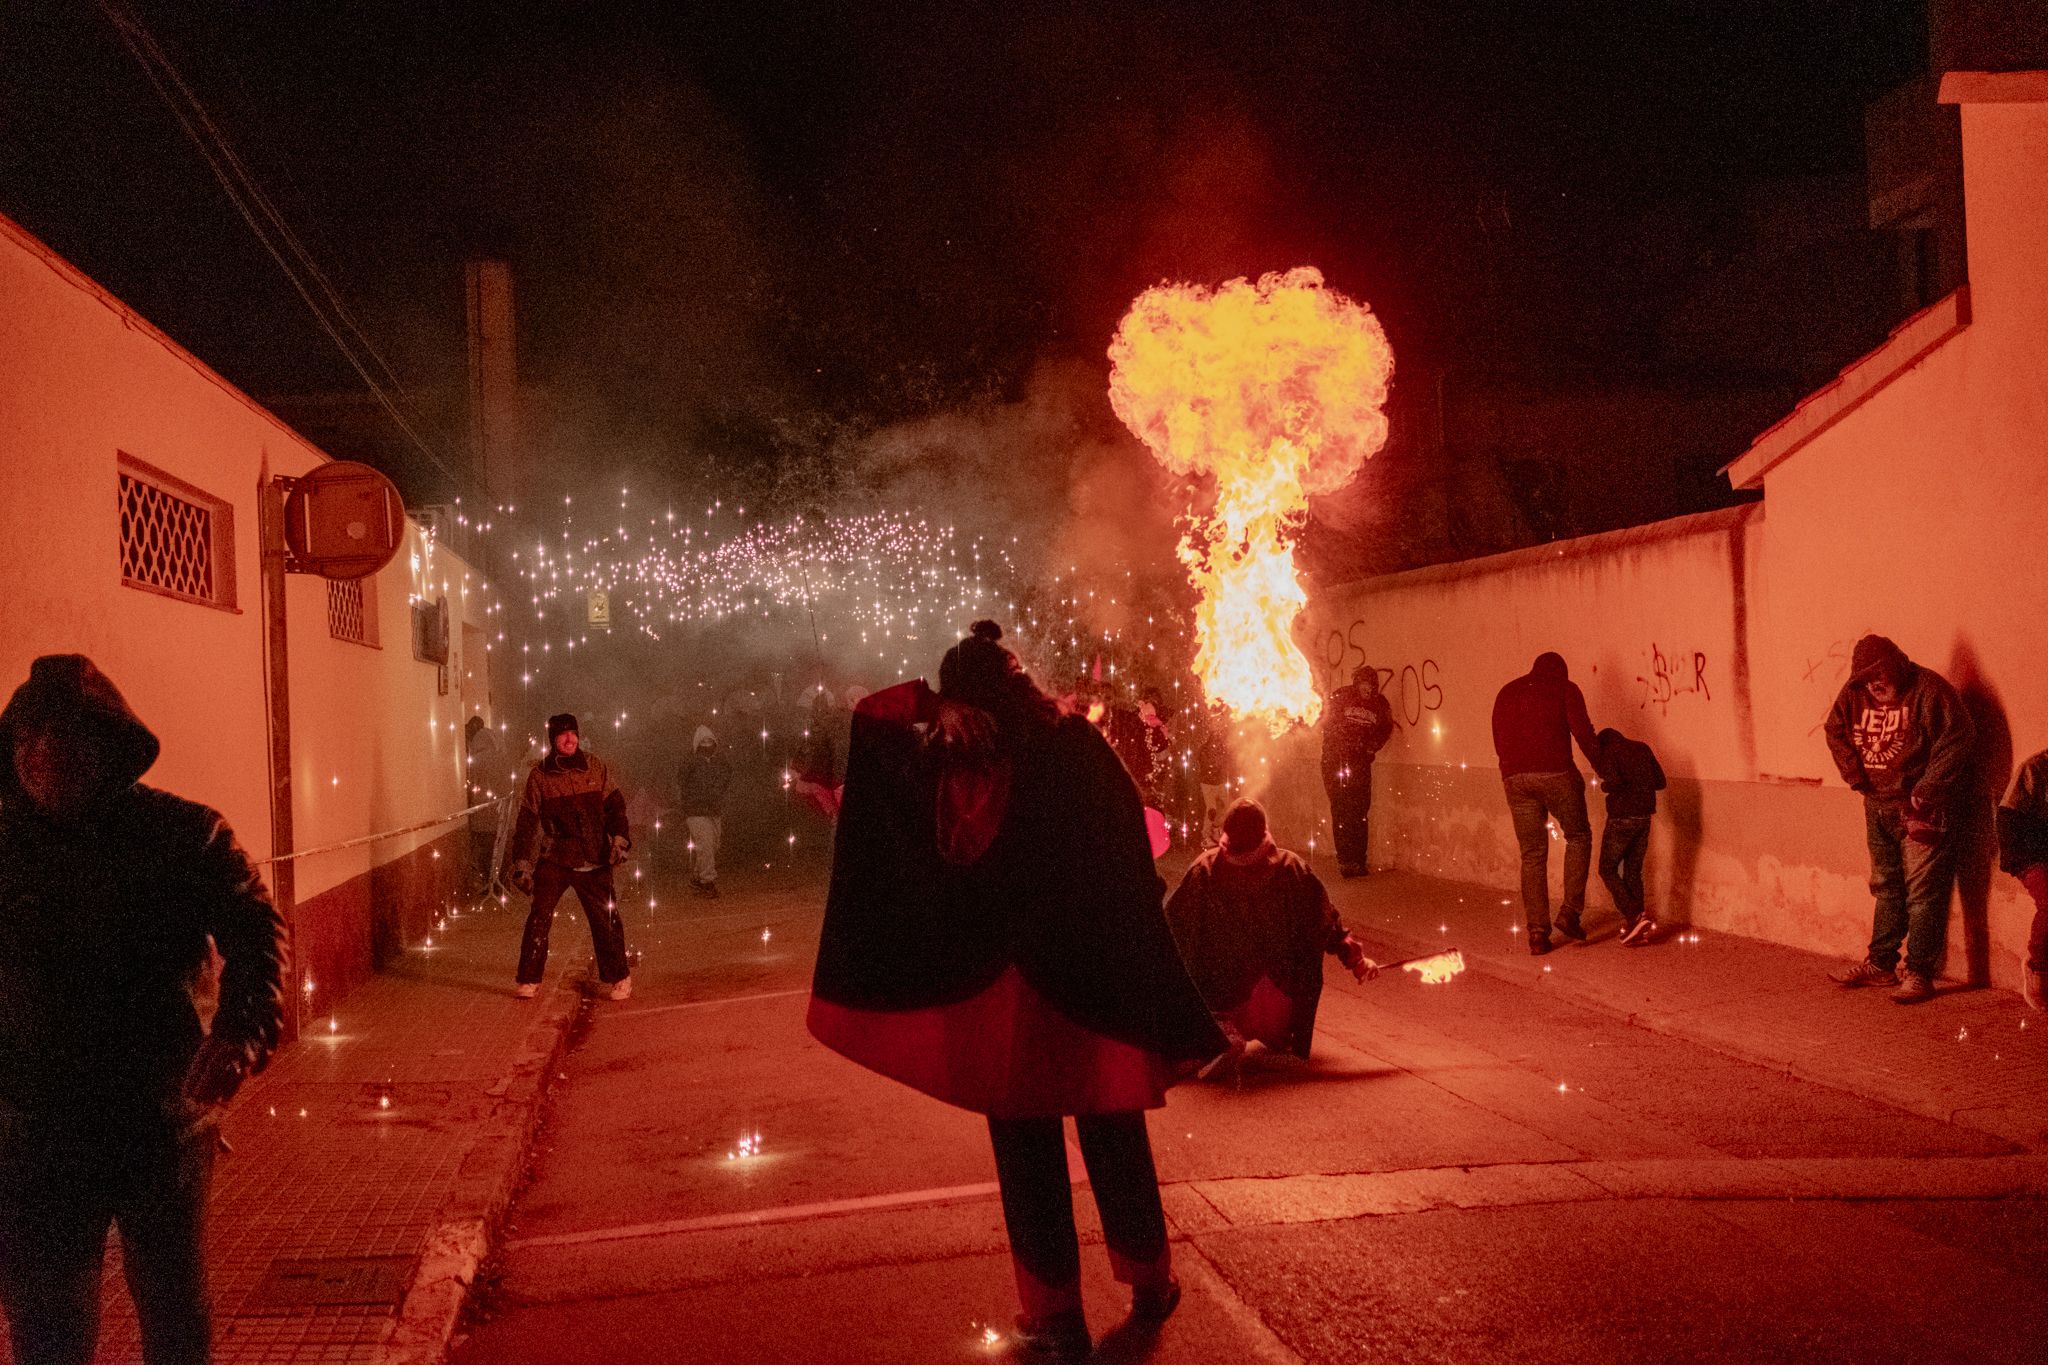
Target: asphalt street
[[1477, 1171]]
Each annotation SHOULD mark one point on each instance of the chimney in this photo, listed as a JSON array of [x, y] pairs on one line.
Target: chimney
[[494, 435]]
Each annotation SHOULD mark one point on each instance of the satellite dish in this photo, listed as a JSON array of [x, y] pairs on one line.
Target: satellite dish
[[343, 520]]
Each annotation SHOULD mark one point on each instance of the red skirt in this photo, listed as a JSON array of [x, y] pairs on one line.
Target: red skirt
[[1006, 1052]]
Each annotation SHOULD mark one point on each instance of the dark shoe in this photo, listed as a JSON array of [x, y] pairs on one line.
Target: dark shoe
[[1155, 1303], [1639, 932], [2034, 986], [1865, 973], [1061, 1336], [708, 890], [1913, 988], [1348, 870], [1569, 926], [1539, 946]]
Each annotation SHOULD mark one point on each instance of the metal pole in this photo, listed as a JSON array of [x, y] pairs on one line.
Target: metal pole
[[278, 671]]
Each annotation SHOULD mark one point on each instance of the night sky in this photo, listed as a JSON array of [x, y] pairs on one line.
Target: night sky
[[742, 232]]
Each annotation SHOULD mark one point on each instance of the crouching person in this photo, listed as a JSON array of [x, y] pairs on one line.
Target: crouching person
[[109, 1085], [1253, 923]]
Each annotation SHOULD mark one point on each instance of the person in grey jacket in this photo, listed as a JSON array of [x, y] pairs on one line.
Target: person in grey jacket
[[1900, 736], [109, 1084]]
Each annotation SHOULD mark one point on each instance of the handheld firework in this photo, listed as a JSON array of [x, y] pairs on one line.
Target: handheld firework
[[1433, 968]]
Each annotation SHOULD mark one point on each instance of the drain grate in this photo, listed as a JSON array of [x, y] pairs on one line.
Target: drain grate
[[293, 1283]]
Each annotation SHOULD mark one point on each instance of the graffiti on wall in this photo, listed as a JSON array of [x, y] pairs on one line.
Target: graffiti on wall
[[1670, 675], [1414, 689]]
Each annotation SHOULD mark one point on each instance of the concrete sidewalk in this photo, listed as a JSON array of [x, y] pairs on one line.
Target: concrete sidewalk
[[370, 1162], [1976, 1057]]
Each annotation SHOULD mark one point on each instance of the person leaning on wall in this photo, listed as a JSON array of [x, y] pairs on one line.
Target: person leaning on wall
[[1901, 737], [1536, 719]]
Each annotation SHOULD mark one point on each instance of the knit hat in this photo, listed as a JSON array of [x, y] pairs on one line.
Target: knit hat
[[1874, 655], [1244, 825], [559, 724]]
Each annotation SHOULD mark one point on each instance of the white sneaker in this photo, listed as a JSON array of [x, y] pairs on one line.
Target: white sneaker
[[622, 989], [526, 990]]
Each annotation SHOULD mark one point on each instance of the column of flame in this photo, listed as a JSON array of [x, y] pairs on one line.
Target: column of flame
[[1265, 393]]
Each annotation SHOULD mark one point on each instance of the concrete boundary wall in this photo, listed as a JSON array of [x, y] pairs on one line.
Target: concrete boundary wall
[[1659, 625]]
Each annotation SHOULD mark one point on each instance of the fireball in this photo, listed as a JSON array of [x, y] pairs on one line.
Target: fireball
[[1259, 396]]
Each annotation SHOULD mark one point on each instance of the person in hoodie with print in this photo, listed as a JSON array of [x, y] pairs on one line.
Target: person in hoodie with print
[[110, 1087], [1253, 923], [572, 817], [1901, 737]]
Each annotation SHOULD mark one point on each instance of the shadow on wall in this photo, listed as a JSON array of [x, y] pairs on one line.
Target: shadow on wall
[[1976, 830], [1679, 807]]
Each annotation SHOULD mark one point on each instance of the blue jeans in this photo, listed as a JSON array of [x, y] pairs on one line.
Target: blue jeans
[[1910, 882], [1534, 799], [1622, 846]]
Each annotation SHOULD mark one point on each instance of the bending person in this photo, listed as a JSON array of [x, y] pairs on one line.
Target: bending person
[[1253, 923], [993, 937]]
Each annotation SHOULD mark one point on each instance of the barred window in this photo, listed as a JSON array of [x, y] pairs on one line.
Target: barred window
[[175, 539], [352, 610]]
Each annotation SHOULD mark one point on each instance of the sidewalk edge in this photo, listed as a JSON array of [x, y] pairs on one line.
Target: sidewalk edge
[[482, 1191], [1982, 1119]]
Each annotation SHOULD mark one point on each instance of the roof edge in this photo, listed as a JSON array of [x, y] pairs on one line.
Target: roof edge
[[1994, 87], [1717, 521], [1909, 343]]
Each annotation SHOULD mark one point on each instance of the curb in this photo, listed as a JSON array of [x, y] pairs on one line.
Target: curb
[[482, 1191], [1592, 996]]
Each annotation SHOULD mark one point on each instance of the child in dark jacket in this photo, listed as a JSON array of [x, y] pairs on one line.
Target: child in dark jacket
[[2023, 851], [1631, 777]]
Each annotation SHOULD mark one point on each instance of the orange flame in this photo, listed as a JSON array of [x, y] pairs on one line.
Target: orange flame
[[1436, 970], [1274, 391]]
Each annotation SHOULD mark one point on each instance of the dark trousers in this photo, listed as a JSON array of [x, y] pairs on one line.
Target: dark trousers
[[1910, 882], [1535, 799], [58, 1196], [1350, 791], [1038, 1205], [482, 844], [1622, 846], [607, 931]]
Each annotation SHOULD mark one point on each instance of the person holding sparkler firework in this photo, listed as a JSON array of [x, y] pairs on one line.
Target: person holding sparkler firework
[[993, 937], [1253, 923]]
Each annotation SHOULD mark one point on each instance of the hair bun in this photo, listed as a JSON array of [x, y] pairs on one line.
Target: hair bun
[[985, 630]]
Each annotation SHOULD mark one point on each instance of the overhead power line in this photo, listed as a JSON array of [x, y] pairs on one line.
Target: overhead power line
[[271, 229]]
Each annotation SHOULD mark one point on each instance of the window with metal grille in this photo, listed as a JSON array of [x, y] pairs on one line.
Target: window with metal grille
[[352, 610], [175, 539]]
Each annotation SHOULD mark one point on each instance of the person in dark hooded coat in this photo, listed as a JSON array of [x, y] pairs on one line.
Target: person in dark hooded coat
[[993, 937], [1902, 738], [1253, 922], [109, 1084]]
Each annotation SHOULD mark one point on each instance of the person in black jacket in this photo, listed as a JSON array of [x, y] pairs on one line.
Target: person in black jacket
[[994, 937], [2023, 851], [1901, 737], [1631, 777], [1357, 723], [109, 1085]]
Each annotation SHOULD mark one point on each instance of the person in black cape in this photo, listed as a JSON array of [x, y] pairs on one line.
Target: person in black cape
[[994, 937]]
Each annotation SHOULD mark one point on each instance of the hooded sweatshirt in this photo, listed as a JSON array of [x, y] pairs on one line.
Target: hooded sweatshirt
[[1537, 716], [1630, 774], [105, 919], [1916, 748], [706, 776]]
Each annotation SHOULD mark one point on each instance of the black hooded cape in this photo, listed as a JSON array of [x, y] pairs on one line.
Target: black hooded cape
[[1066, 893]]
